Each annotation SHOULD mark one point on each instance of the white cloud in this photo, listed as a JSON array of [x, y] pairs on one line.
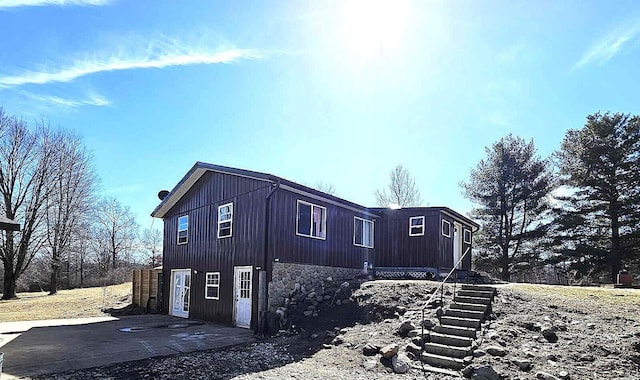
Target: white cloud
[[92, 99], [608, 47], [44, 3], [133, 54]]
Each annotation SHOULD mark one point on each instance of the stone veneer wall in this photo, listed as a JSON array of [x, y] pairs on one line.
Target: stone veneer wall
[[288, 278]]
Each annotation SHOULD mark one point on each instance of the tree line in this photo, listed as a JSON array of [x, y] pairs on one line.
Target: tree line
[[48, 184]]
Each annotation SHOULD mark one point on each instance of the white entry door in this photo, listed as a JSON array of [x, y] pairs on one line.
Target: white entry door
[[242, 296], [457, 243], [180, 291]]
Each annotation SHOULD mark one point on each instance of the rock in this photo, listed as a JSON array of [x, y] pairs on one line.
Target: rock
[[545, 376], [344, 331], [329, 279], [586, 358], [314, 336], [389, 350], [345, 285], [338, 340], [315, 314], [468, 371], [307, 313], [479, 353], [417, 340], [327, 297], [401, 310], [311, 295], [496, 351], [537, 326], [591, 325], [549, 334], [405, 327], [369, 365], [414, 349], [400, 363], [485, 373], [296, 287], [428, 324], [370, 349], [552, 357], [492, 335], [523, 364], [563, 375], [311, 307], [414, 333], [319, 298], [338, 302], [327, 346], [561, 326]]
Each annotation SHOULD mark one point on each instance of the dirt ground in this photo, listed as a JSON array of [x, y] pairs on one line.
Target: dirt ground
[[597, 331], [75, 303]]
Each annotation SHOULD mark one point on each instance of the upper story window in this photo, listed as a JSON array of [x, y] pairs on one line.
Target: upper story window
[[362, 232], [416, 226], [183, 229], [446, 228], [311, 220], [225, 220], [467, 236]]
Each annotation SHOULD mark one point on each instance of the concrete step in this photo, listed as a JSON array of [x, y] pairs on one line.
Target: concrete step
[[451, 340], [478, 287], [456, 330], [476, 300], [462, 322], [446, 350], [451, 312], [475, 293], [442, 361], [468, 306]]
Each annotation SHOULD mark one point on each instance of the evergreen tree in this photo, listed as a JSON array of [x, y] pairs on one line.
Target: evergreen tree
[[600, 169], [510, 189]]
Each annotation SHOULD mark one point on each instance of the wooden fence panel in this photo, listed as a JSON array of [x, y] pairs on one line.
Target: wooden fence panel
[[145, 286]]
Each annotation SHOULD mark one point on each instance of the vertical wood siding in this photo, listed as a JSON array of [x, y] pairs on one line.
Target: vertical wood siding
[[446, 244], [336, 250], [204, 252]]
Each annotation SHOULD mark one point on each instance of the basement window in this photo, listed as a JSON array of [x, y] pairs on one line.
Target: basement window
[[416, 226], [212, 286], [225, 220], [183, 229], [467, 236], [311, 220], [362, 232], [446, 228]]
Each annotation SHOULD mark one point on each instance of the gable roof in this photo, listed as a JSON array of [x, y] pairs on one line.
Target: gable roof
[[200, 168]]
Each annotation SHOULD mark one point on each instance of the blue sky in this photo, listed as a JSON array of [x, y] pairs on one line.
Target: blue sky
[[313, 90]]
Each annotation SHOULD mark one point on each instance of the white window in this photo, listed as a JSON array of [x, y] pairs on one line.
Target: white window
[[446, 228], [183, 229], [362, 232], [212, 286], [467, 236], [416, 226], [225, 220], [311, 220]]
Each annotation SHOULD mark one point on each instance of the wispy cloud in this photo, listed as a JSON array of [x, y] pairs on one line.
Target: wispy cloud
[[43, 3], [92, 99], [610, 45], [133, 54]]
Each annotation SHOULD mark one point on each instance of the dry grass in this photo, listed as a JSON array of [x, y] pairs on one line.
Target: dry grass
[[588, 295], [76, 303]]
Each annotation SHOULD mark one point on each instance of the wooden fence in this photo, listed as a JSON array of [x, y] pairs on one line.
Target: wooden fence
[[145, 286]]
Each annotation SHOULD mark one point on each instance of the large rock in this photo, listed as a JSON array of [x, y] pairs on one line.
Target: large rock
[[523, 364], [405, 327], [496, 351], [485, 373], [548, 332], [389, 350], [370, 349], [428, 324], [400, 363]]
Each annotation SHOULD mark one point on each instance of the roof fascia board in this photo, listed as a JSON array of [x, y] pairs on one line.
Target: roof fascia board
[[327, 200], [458, 218]]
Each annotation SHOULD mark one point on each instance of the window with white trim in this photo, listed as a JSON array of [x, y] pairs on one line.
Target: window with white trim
[[212, 286], [311, 220], [416, 226], [362, 232], [446, 228], [225, 220], [467, 236], [183, 229]]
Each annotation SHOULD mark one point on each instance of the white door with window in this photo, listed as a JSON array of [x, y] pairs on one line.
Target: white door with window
[[180, 292], [242, 296], [457, 243]]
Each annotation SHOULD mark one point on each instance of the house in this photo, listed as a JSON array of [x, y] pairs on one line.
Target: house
[[236, 242]]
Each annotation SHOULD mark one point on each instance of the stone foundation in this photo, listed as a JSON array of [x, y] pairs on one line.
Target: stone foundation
[[301, 279]]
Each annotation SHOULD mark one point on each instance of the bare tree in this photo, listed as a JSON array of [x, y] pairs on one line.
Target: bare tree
[[401, 190], [25, 175], [70, 199], [325, 187], [116, 228], [151, 241]]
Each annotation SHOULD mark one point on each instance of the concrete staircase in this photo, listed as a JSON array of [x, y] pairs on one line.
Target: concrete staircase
[[450, 345]]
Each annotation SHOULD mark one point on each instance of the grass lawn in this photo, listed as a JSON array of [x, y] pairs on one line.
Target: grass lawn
[[75, 303]]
